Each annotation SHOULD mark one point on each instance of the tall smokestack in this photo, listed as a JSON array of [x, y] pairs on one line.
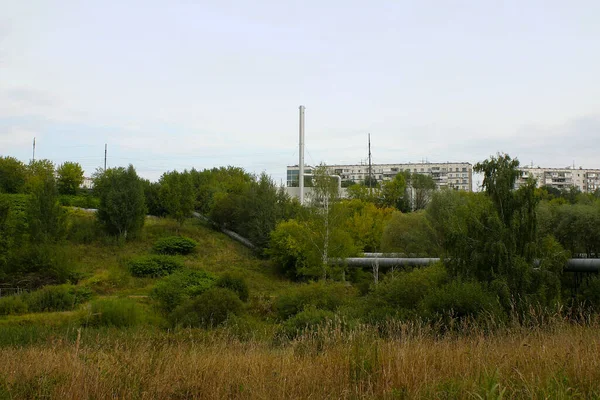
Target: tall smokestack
[[301, 161]]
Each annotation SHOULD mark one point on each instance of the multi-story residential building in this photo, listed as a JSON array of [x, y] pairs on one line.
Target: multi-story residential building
[[446, 175], [586, 180]]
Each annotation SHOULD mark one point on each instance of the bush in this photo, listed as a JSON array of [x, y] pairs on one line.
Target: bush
[[13, 305], [405, 289], [81, 201], [310, 319], [590, 291], [174, 245], [210, 309], [399, 295], [236, 284], [82, 227], [319, 295], [57, 298], [460, 299], [153, 266], [114, 312], [173, 290]]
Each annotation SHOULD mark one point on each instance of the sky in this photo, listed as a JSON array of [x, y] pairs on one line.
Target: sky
[[171, 85]]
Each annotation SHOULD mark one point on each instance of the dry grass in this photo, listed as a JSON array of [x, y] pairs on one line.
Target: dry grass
[[561, 363]]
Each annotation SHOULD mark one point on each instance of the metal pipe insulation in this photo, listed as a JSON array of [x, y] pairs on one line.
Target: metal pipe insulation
[[573, 264]]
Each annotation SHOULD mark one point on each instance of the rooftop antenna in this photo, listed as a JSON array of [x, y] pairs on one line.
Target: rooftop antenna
[[301, 160]]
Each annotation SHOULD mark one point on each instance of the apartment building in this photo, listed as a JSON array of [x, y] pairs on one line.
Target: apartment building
[[458, 175], [586, 180]]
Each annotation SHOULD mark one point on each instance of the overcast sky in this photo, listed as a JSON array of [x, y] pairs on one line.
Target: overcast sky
[[180, 84]]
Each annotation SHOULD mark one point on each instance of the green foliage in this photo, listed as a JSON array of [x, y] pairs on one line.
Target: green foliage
[[324, 296], [410, 234], [309, 319], [82, 227], [403, 291], [118, 313], [288, 248], [69, 177], [13, 305], [576, 227], [365, 223], [38, 172], [152, 198], [423, 187], [174, 245], [460, 299], [122, 210], [57, 298], [34, 265], [217, 180], [81, 200], [176, 194], [153, 266], [362, 192], [176, 288], [393, 193], [45, 216], [236, 284], [492, 235], [209, 309], [12, 175], [590, 291], [261, 207]]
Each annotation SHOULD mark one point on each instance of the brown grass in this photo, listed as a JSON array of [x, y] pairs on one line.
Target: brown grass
[[561, 363]]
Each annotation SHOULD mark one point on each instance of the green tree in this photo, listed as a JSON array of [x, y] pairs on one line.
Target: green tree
[[492, 236], [262, 206], [45, 216], [70, 177], [393, 193], [423, 187], [410, 234], [362, 192], [5, 232], [38, 172], [177, 195], [122, 209], [13, 174], [365, 223]]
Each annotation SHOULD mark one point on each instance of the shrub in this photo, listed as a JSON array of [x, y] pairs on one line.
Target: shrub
[[173, 290], [82, 227], [210, 309], [114, 312], [174, 245], [590, 291], [57, 298], [13, 305], [398, 296], [460, 299], [407, 288], [236, 284], [327, 296], [81, 201], [310, 319], [153, 266]]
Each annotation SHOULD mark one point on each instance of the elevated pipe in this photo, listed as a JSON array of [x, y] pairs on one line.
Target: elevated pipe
[[572, 265]]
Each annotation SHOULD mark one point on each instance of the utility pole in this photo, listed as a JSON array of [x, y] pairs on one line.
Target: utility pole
[[301, 157], [105, 149], [370, 169], [33, 150]]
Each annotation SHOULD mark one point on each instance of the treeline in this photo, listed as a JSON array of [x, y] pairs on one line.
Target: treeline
[[503, 249]]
